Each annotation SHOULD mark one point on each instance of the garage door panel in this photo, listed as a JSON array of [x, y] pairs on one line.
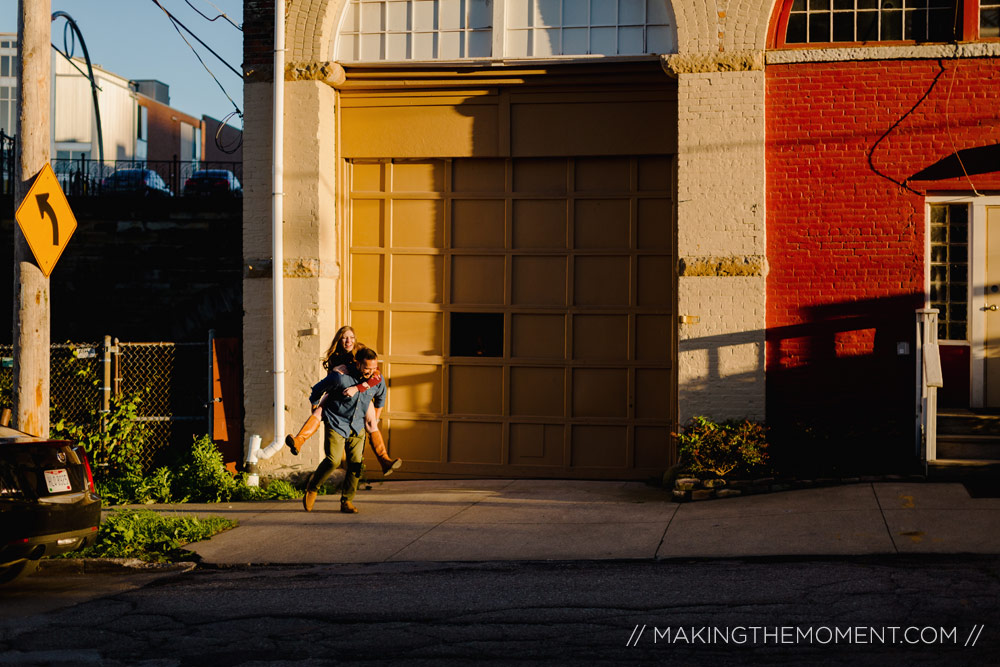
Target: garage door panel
[[415, 440], [538, 336], [477, 223], [477, 280], [415, 388], [652, 393], [537, 444], [471, 442], [652, 446], [417, 278], [474, 175], [609, 174], [371, 324], [416, 333], [655, 173], [418, 176], [475, 390], [367, 223], [654, 224], [600, 337], [600, 392], [599, 446], [368, 278], [539, 281], [602, 223], [601, 281], [537, 392], [652, 338], [540, 175], [417, 223], [539, 223], [655, 286], [368, 177]]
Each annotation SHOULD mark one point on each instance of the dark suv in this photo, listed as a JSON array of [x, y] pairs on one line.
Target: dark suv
[[48, 502]]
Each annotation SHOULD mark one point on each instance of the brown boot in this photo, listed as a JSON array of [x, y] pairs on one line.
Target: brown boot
[[378, 446], [347, 507], [309, 500], [295, 442]]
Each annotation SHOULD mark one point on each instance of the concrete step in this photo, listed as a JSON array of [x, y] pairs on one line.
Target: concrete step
[[981, 471], [968, 447], [968, 422]]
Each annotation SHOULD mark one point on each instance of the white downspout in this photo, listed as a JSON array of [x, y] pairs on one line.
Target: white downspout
[[254, 452]]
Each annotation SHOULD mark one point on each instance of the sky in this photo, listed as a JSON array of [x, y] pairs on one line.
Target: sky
[[136, 40]]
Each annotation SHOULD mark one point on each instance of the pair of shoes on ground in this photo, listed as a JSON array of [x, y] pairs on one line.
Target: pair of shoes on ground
[[309, 500]]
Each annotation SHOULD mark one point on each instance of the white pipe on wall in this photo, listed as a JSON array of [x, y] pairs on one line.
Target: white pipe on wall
[[277, 231]]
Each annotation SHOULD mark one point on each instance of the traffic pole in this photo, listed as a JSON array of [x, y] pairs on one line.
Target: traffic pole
[[31, 286]]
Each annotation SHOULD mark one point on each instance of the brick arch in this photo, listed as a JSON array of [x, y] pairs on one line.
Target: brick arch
[[743, 25], [309, 28]]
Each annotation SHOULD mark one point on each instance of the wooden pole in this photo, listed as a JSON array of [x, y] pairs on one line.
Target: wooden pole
[[31, 288]]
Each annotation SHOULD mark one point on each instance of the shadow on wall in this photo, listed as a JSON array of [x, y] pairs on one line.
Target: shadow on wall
[[840, 396]]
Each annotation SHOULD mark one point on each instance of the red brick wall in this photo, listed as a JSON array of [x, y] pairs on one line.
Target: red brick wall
[[845, 232]]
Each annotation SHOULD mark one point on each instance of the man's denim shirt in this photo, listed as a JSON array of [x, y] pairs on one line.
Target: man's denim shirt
[[346, 415]]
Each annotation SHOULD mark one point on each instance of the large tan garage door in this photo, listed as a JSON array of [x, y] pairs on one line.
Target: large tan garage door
[[524, 310]]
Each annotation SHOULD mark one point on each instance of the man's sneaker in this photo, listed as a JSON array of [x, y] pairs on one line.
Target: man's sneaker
[[347, 507]]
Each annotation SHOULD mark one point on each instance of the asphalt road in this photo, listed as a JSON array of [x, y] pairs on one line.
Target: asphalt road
[[945, 610]]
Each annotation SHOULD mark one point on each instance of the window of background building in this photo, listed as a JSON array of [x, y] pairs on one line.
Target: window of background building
[[817, 22], [8, 109], [400, 30]]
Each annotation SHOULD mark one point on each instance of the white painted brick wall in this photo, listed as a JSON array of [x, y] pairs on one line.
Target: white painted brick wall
[[720, 213]]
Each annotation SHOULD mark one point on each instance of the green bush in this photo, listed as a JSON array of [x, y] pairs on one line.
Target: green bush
[[198, 475], [149, 536], [734, 447]]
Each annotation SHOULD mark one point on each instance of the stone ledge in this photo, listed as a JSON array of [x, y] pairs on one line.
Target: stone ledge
[[732, 266], [703, 63], [688, 489]]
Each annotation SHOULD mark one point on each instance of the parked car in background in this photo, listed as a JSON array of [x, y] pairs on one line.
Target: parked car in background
[[213, 182], [48, 502], [144, 182]]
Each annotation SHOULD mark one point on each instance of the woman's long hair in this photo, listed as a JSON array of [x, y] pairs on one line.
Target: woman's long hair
[[336, 354]]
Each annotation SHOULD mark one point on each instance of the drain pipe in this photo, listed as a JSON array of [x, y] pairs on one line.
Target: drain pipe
[[254, 451]]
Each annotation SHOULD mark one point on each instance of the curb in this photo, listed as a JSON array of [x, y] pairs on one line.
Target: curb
[[109, 566]]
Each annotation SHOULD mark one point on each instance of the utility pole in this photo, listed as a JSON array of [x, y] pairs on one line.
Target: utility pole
[[31, 287]]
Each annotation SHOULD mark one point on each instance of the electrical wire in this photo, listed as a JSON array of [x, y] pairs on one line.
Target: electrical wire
[[177, 26], [234, 146], [951, 136], [222, 14]]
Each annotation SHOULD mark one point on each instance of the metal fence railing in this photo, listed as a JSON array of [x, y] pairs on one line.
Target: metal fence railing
[[171, 379], [84, 177]]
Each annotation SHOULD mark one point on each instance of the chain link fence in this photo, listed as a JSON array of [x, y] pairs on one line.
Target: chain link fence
[[171, 378]]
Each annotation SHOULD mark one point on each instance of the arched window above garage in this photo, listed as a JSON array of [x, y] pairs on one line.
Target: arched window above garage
[[449, 30], [802, 23]]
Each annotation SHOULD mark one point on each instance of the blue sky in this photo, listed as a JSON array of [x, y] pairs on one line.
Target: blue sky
[[135, 39]]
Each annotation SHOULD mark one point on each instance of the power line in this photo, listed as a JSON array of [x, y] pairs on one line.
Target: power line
[[222, 14], [177, 26]]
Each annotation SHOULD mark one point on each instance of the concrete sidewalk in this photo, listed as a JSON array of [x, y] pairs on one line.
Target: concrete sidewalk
[[502, 520]]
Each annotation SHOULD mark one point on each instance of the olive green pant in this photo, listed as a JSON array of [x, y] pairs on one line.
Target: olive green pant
[[335, 445]]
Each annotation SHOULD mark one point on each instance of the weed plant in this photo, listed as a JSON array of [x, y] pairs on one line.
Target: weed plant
[[151, 537], [197, 475], [730, 448]]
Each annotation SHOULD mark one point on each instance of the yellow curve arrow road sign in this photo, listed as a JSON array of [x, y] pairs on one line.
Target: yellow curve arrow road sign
[[46, 220]]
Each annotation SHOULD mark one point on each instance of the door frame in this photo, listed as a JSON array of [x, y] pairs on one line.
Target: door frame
[[977, 283]]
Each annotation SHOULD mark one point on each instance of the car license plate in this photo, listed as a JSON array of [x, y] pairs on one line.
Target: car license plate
[[57, 480]]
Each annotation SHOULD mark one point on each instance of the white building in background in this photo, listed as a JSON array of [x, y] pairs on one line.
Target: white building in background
[[74, 126]]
